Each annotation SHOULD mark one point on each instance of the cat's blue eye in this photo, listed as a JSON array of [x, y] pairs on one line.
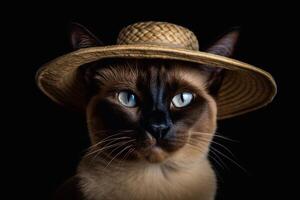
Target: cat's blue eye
[[182, 99], [127, 98]]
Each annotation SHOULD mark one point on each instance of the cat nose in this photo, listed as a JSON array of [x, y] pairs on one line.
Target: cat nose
[[158, 130]]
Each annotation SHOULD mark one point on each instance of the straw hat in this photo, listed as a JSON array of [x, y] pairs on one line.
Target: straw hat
[[245, 88]]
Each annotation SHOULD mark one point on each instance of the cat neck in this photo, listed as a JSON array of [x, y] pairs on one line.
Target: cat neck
[[143, 180]]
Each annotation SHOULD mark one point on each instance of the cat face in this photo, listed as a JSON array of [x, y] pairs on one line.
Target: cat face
[[149, 109]]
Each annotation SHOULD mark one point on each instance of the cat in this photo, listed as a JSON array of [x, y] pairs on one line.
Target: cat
[[150, 123]]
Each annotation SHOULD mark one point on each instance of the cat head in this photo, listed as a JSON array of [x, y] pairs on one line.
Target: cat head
[[150, 109]]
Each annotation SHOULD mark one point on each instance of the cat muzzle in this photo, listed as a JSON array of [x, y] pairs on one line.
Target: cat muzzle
[[158, 131]]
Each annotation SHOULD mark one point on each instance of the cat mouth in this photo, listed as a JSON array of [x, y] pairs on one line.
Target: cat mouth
[[154, 154], [157, 150], [152, 150]]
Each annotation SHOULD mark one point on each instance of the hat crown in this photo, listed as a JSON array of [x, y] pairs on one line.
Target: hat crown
[[158, 33]]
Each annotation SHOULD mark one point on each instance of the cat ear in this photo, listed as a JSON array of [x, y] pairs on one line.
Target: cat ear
[[81, 37], [223, 47]]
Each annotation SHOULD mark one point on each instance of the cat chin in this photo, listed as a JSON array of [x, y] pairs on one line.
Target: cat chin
[[155, 154]]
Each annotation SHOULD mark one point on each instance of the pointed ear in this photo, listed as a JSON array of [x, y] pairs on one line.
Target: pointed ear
[[82, 37], [223, 47]]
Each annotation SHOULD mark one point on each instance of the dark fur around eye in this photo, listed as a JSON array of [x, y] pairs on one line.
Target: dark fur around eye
[[113, 116], [191, 112], [149, 75]]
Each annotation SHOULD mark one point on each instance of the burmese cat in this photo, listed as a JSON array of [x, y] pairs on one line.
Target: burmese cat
[[150, 123]]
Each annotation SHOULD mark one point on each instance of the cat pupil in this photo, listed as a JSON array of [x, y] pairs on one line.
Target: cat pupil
[[181, 97], [131, 97]]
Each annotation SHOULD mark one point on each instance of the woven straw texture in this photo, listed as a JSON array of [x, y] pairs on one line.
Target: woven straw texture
[[158, 33], [245, 87]]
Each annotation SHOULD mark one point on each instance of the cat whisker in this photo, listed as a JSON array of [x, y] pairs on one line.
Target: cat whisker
[[186, 142], [224, 155], [114, 135], [117, 145], [228, 158], [101, 149], [128, 153], [97, 147], [217, 143], [110, 136], [217, 161], [120, 146], [104, 148], [111, 130], [214, 151], [107, 140], [117, 155], [195, 147], [126, 156], [213, 135], [221, 163]]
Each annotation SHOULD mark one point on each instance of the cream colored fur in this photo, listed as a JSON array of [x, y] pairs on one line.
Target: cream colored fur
[[191, 180], [184, 175]]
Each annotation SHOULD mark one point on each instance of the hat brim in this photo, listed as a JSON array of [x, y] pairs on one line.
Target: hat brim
[[245, 88]]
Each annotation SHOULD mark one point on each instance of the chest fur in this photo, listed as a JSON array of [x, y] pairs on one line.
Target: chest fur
[[149, 183]]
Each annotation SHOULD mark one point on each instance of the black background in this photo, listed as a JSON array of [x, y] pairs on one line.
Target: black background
[[46, 141]]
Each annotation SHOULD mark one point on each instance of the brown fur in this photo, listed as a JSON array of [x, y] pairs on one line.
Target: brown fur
[[126, 160], [183, 172]]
